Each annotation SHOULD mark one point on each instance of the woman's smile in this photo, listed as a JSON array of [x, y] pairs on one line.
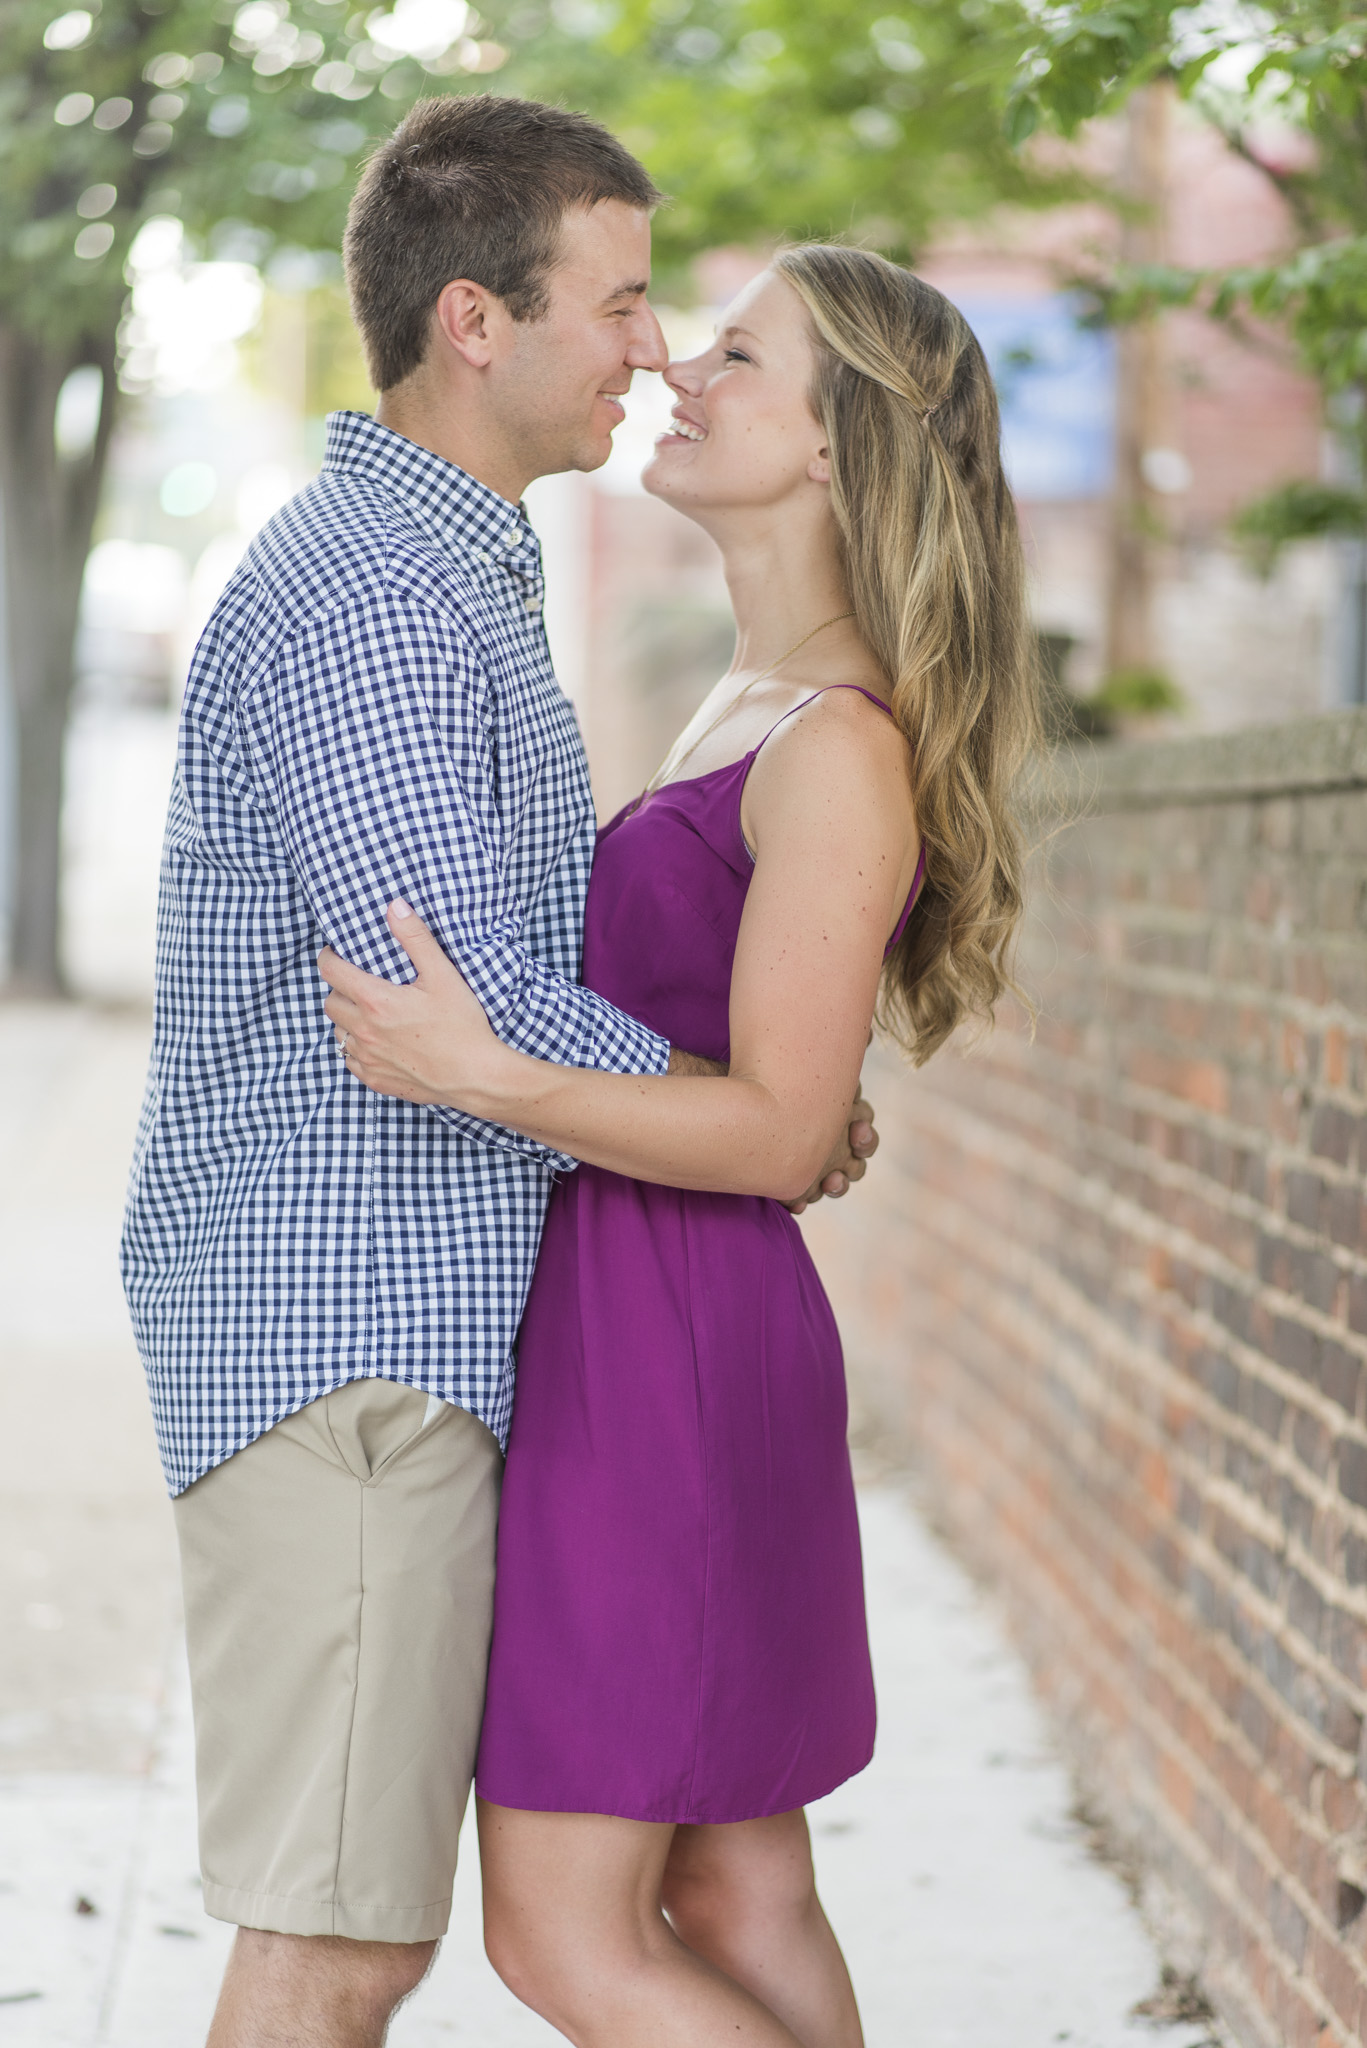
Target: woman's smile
[[682, 429]]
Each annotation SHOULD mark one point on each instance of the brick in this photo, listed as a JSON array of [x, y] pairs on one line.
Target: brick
[[1357, 1305], [1339, 1375], [1313, 1444], [1341, 1800], [1295, 1346], [1189, 1506], [1250, 1471], [1351, 824], [1352, 1463], [1210, 1600], [1275, 1260], [1295, 1509], [1339, 900], [1304, 1191], [1332, 1133], [1276, 822], [1346, 1642], [1318, 1281], [1336, 1056], [1304, 1608], [1250, 1557], [1288, 1924], [1343, 1217], [1342, 1724], [1262, 1405], [1221, 1378]]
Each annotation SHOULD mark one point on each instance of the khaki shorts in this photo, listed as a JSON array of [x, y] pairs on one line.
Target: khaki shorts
[[338, 1596]]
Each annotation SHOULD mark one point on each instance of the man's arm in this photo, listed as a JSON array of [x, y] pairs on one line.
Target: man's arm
[[694, 1065], [377, 797]]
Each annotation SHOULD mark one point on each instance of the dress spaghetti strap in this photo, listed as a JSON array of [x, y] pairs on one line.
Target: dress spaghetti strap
[[858, 689], [918, 879], [913, 896]]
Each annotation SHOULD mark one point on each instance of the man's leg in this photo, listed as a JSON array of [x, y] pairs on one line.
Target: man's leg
[[338, 1590], [314, 1990]]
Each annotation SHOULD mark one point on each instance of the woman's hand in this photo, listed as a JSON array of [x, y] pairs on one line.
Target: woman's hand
[[426, 1040]]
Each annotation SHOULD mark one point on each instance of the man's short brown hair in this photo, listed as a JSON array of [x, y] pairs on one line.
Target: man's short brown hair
[[471, 185]]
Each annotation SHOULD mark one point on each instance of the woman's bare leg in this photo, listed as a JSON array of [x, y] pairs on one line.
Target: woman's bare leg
[[744, 1897], [573, 1925]]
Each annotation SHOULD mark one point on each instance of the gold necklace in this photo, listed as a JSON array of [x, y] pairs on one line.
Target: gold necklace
[[673, 760]]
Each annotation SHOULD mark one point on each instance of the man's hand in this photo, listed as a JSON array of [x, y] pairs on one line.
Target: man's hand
[[849, 1161]]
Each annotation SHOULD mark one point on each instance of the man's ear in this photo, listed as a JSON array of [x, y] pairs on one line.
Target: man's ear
[[465, 316], [819, 468]]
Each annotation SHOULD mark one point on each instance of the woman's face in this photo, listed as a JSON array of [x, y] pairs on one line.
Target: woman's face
[[744, 432]]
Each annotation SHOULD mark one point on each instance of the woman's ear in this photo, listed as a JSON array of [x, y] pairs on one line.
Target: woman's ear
[[819, 468]]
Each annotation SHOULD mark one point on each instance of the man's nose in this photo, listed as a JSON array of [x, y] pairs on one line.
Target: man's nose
[[647, 350]]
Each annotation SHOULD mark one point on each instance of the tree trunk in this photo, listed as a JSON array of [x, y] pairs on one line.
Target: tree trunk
[[1139, 391], [49, 505], [1357, 670]]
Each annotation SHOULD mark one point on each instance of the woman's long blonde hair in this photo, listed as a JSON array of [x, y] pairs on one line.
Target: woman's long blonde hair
[[936, 577]]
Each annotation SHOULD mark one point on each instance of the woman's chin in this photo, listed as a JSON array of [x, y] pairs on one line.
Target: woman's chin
[[664, 476]]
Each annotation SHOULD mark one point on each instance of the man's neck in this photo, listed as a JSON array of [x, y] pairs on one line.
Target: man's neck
[[412, 410]]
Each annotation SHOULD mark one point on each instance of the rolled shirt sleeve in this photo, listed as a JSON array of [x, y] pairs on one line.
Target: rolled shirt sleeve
[[372, 742]]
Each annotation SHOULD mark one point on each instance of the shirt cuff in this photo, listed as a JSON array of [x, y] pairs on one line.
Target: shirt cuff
[[630, 1048], [498, 1138]]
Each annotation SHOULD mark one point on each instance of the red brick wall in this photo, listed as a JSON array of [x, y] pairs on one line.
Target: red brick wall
[[1110, 1290]]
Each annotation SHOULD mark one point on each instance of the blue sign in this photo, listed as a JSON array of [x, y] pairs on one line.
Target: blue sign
[[1056, 386]]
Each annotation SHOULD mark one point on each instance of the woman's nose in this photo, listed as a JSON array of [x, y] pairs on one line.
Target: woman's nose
[[685, 376]]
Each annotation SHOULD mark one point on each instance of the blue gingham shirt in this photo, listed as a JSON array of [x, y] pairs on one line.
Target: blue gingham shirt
[[371, 713]]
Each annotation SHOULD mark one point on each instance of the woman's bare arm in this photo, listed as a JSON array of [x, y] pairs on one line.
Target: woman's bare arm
[[828, 808]]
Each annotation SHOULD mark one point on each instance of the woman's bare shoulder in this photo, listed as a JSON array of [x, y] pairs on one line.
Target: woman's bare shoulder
[[844, 726], [838, 772]]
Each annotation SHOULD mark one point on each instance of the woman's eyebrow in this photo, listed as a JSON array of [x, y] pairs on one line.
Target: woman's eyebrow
[[746, 331]]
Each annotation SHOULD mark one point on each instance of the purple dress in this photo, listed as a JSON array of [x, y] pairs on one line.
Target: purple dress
[[679, 1627]]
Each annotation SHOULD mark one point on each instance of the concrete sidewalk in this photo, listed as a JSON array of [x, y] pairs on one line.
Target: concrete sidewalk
[[971, 1911]]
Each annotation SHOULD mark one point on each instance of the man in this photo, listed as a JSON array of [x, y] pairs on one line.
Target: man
[[326, 1285]]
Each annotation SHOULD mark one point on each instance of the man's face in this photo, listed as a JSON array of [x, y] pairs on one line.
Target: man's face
[[561, 379]]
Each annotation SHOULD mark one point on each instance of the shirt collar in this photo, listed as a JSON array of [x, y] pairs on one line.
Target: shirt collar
[[454, 507]]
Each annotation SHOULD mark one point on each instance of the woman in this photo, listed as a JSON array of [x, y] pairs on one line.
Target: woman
[[680, 1661]]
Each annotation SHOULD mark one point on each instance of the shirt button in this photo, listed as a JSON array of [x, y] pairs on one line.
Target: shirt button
[[514, 535], [534, 605], [481, 556]]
